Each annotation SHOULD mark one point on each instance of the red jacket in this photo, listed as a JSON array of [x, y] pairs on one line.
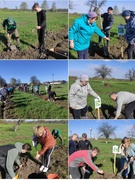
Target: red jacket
[[47, 141]]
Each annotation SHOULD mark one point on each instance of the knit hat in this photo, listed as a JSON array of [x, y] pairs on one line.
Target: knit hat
[[110, 8], [92, 15], [84, 77], [126, 13]]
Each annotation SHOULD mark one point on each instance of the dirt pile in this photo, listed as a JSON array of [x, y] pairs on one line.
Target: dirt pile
[[53, 39]]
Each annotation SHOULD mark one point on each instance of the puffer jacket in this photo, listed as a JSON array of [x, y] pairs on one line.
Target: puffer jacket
[[78, 94], [130, 30], [81, 32]]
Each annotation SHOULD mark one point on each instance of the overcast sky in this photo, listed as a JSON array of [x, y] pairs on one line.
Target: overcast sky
[[119, 67]]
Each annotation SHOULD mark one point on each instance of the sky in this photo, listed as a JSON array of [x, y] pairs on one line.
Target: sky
[[43, 70], [13, 3], [119, 67], [80, 7], [83, 126]]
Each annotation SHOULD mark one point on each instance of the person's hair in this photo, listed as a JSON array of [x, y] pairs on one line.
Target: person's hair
[[35, 6], [123, 140], [26, 147], [126, 141], [95, 18], [38, 129], [75, 135], [84, 135], [112, 93], [96, 149]]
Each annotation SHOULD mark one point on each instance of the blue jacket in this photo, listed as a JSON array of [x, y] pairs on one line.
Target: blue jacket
[[130, 30], [81, 32]]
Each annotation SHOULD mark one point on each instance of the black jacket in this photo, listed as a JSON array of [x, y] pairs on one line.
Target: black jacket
[[84, 145], [108, 21], [73, 146], [41, 19]]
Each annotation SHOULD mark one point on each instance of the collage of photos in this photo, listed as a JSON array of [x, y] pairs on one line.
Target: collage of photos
[[67, 96]]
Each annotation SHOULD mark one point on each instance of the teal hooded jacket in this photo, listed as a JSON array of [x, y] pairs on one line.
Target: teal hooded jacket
[[81, 32]]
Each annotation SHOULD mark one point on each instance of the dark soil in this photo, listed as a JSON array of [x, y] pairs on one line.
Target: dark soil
[[107, 176], [58, 165], [58, 40]]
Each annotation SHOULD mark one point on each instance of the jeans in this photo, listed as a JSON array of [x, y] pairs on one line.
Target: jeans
[[129, 110], [122, 163], [83, 54], [78, 113], [130, 50]]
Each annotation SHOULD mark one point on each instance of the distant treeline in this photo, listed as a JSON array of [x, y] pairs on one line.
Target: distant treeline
[[48, 10]]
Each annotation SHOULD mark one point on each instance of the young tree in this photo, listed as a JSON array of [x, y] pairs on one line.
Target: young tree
[[44, 5], [13, 81], [34, 80], [103, 71], [131, 132], [95, 5], [53, 9], [116, 10], [106, 130], [130, 74], [24, 6], [123, 9]]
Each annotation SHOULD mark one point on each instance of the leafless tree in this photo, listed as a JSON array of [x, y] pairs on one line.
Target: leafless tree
[[71, 4], [95, 5], [131, 132], [103, 71], [130, 74]]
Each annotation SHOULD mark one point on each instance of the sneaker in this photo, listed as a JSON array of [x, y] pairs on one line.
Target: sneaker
[[42, 167], [85, 117], [45, 169]]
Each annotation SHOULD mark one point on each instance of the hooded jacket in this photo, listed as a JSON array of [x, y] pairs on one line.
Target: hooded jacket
[[11, 152], [130, 30], [81, 32], [78, 94]]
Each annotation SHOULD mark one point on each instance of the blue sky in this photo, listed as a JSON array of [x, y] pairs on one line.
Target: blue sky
[[13, 3], [80, 7], [119, 67], [43, 70], [83, 126]]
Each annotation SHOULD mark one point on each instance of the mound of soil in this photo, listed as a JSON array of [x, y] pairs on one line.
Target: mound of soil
[[57, 40], [107, 175], [58, 165]]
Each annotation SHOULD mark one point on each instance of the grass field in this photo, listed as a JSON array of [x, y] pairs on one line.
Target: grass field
[[27, 22], [26, 105], [107, 108], [25, 132], [94, 40]]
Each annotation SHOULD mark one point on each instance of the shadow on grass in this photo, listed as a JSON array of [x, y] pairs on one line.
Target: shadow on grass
[[108, 111], [26, 43], [3, 38]]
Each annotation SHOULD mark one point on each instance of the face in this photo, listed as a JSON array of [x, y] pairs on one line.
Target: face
[[39, 135], [24, 151], [127, 18], [94, 153], [75, 138], [110, 11], [113, 97], [91, 21], [84, 83]]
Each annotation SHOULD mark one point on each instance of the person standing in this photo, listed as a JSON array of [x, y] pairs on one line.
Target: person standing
[[129, 17], [84, 144], [78, 97], [80, 34], [124, 98], [108, 21], [11, 27], [73, 144], [41, 27], [44, 137]]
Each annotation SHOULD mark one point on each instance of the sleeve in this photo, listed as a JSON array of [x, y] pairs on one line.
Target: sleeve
[[99, 32], [111, 21], [90, 91], [91, 164], [119, 106], [43, 20], [72, 93], [133, 148], [52, 131], [11, 157], [4, 23], [102, 15], [79, 145], [90, 145], [73, 29], [43, 150]]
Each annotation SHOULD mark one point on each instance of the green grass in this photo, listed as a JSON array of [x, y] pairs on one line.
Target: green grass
[[25, 132], [27, 22], [103, 92], [28, 106], [114, 35]]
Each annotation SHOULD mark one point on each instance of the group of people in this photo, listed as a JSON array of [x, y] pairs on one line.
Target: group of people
[[80, 33], [6, 90], [81, 157], [80, 90], [10, 25], [10, 153]]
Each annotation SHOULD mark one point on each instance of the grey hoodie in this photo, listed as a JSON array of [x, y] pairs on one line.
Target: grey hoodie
[[12, 157], [78, 94]]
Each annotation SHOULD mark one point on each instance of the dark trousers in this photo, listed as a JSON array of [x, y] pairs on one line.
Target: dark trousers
[[46, 157], [52, 95], [130, 51], [129, 110], [42, 39], [75, 172], [3, 170], [122, 163], [83, 54], [107, 33], [78, 113]]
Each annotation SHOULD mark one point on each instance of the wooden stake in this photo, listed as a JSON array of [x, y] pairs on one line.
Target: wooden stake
[[121, 46], [114, 163], [98, 113]]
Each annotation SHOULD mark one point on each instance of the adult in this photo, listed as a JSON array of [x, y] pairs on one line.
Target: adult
[[78, 97], [73, 144], [124, 98], [129, 17], [79, 158], [57, 134], [108, 21], [49, 87], [9, 154], [44, 137], [41, 26], [84, 144], [80, 34], [11, 27], [52, 95], [3, 93]]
